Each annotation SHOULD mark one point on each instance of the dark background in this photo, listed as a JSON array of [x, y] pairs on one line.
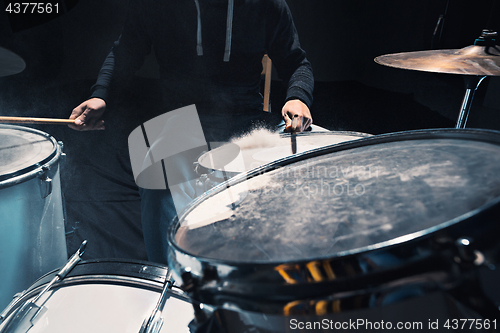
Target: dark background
[[341, 37]]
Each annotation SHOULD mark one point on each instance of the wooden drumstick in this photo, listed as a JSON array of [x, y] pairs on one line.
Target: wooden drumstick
[[28, 120], [295, 123]]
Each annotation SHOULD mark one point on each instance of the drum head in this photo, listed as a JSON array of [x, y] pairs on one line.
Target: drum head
[[105, 296], [23, 149], [262, 147], [343, 200]]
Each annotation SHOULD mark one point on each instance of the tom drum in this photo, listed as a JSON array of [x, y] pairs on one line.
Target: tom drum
[[32, 241]]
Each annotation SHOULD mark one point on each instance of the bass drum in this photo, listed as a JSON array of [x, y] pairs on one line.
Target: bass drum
[[105, 296], [345, 229], [32, 241]]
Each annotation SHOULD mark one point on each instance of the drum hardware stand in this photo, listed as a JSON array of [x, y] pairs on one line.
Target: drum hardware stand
[[205, 319], [472, 82], [26, 316], [471, 85], [470, 292], [154, 322]]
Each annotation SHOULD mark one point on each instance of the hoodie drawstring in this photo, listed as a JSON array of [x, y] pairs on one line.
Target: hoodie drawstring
[[229, 30], [199, 46]]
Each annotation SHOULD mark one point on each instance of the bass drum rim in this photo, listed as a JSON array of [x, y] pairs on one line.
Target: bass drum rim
[[135, 273], [259, 279]]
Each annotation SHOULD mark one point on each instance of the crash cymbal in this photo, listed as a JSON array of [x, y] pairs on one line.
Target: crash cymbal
[[471, 60], [10, 63]]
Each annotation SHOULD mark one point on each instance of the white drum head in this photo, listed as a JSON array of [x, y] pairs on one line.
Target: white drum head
[[262, 147], [105, 308], [105, 297]]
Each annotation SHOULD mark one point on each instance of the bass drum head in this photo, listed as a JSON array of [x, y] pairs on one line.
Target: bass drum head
[[262, 147], [107, 296], [23, 149]]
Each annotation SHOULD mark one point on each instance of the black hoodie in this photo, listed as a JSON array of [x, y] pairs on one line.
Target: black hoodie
[[210, 51]]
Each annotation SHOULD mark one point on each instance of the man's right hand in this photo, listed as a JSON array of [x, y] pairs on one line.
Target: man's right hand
[[88, 115]]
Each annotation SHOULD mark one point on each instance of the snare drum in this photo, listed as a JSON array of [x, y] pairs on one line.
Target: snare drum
[[350, 227], [262, 147], [106, 296], [32, 241]]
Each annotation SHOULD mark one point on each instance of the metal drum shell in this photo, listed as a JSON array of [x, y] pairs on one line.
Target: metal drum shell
[[430, 254], [31, 207]]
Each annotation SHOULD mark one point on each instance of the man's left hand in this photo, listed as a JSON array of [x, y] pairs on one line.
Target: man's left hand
[[292, 108]]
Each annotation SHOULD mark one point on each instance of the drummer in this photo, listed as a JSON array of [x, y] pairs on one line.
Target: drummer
[[209, 54]]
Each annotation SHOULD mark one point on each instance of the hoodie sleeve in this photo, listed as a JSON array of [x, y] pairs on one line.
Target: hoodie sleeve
[[287, 55], [127, 54]]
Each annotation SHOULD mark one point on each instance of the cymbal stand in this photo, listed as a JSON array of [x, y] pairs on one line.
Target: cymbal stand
[[472, 82]]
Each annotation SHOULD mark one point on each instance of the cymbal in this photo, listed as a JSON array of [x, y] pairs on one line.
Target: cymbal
[[470, 60], [10, 63]]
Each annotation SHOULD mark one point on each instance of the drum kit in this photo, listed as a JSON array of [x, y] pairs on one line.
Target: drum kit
[[346, 231], [32, 241]]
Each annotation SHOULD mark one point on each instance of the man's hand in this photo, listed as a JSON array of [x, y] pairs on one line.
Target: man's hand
[[88, 115], [292, 108]]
